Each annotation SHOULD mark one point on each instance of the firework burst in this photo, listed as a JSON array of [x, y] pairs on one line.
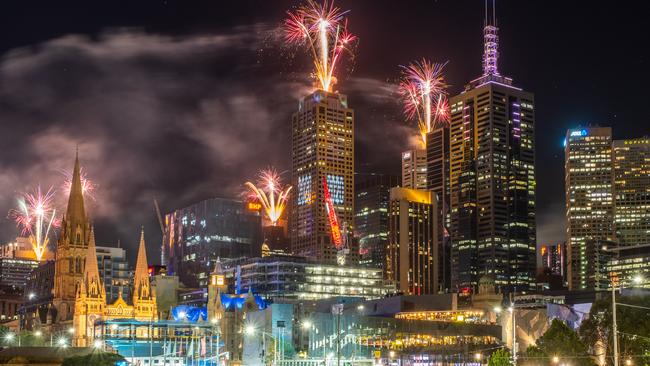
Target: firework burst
[[35, 216], [323, 29], [270, 193], [87, 186], [422, 85]]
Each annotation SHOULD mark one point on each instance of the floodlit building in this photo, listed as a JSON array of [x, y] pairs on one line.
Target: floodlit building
[[215, 228], [492, 178], [631, 159], [372, 196], [322, 148], [412, 253], [589, 198]]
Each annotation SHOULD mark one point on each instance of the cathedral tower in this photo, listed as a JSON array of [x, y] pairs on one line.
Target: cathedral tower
[[144, 300], [90, 301], [70, 252]]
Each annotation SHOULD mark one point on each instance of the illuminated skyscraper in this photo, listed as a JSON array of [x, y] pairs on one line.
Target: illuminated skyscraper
[[322, 148], [438, 182], [411, 256], [492, 178], [492, 184], [554, 258], [632, 191], [589, 203], [414, 169]]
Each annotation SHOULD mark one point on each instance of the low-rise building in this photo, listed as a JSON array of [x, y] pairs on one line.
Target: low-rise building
[[295, 277]]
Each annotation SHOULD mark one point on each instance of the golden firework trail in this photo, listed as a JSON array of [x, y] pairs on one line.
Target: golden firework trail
[[423, 84], [271, 194], [323, 29], [35, 216]]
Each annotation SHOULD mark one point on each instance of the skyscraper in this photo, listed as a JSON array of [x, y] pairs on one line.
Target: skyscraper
[[554, 258], [215, 228], [322, 148], [414, 169], [632, 191], [492, 177], [411, 256], [372, 196], [589, 203], [438, 182]]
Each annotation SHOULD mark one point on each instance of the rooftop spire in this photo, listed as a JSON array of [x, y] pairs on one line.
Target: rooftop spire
[[76, 213], [91, 279], [141, 276], [490, 41]]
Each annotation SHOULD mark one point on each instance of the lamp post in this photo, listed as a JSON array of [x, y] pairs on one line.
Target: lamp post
[[251, 331]]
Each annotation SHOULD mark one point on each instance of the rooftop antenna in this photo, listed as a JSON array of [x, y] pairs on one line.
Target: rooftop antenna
[[490, 42]]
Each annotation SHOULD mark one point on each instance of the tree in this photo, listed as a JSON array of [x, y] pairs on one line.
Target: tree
[[500, 357], [633, 327], [95, 359], [559, 341]]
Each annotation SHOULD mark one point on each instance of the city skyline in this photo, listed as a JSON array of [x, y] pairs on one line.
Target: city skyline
[[131, 163]]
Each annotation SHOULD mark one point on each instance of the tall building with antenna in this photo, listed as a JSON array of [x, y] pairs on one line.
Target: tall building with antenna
[[492, 176], [322, 148]]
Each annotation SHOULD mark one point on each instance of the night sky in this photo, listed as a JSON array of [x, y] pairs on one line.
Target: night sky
[[185, 100]]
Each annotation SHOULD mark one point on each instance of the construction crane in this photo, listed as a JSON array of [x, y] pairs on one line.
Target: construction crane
[[163, 255]]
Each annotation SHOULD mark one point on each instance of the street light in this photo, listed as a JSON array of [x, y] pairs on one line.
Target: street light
[[97, 344], [62, 342], [497, 309], [306, 324], [556, 359], [249, 330], [638, 279], [9, 337], [628, 362], [71, 330], [32, 296], [360, 307], [477, 356], [391, 354]]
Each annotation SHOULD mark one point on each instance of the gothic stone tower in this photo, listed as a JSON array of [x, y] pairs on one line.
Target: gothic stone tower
[[144, 299], [90, 302], [70, 253]]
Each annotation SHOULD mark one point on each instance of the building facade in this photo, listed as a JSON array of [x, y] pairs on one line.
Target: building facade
[[322, 149], [492, 178], [114, 272], [438, 183], [630, 266], [414, 169], [412, 253], [199, 234], [14, 272], [589, 197], [300, 278], [372, 196], [631, 159], [553, 258], [91, 306]]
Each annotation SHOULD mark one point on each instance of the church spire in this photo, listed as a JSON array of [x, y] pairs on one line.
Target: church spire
[[141, 276], [91, 279], [76, 213]]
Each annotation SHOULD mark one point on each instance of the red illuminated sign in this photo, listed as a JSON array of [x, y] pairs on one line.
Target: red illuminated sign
[[334, 220]]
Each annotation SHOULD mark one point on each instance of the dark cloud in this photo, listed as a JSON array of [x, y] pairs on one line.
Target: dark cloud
[[179, 118]]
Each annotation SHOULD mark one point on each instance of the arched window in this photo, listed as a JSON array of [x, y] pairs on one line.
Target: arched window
[[78, 240]]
